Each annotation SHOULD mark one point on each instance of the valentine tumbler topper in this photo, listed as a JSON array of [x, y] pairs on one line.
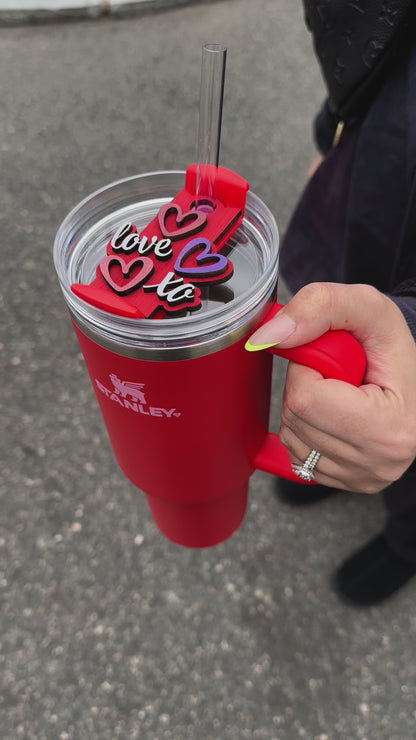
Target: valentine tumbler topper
[[160, 271]]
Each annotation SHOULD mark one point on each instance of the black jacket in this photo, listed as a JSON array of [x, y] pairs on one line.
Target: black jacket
[[356, 220], [355, 42]]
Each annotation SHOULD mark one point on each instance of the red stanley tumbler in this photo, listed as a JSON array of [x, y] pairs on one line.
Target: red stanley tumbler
[[185, 405]]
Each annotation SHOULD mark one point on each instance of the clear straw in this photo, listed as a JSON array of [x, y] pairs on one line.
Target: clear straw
[[210, 118]]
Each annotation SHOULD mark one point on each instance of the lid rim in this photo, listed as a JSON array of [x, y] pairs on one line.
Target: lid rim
[[179, 333]]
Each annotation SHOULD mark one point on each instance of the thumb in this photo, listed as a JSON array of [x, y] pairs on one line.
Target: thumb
[[372, 318]]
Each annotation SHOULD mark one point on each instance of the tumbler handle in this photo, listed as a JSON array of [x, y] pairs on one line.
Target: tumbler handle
[[336, 354]]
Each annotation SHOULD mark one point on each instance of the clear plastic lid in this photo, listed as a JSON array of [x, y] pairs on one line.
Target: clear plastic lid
[[226, 309]]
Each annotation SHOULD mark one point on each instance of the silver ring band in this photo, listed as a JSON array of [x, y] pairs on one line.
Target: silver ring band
[[305, 471]]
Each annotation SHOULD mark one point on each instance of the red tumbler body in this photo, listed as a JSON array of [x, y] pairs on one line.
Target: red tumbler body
[[186, 432]]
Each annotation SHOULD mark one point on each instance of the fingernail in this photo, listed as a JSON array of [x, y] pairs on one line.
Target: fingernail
[[256, 347], [272, 333]]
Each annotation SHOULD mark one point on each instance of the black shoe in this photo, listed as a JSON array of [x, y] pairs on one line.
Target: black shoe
[[372, 574], [299, 494]]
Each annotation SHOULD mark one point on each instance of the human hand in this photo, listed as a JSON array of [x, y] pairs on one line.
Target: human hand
[[367, 435]]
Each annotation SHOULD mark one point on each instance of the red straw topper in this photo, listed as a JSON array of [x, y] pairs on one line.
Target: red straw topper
[[158, 271]]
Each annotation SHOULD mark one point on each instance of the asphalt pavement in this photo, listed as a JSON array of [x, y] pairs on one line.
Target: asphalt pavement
[[109, 631]]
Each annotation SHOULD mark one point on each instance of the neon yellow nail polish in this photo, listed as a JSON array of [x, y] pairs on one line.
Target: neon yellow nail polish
[[256, 347]]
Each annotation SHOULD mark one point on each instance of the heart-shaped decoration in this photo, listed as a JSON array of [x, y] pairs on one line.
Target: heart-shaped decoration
[[186, 223], [130, 283], [208, 263]]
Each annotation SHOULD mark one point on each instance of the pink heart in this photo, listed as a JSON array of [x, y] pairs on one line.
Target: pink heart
[[130, 283], [186, 223]]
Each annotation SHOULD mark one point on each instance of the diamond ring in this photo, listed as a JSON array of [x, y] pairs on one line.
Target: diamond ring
[[305, 471]]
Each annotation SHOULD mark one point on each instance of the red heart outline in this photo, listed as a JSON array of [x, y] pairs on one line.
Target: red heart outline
[[126, 268], [188, 223]]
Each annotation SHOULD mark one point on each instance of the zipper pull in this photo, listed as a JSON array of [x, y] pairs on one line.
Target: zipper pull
[[338, 133]]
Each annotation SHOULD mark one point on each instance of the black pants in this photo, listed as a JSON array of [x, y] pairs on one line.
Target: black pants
[[400, 502]]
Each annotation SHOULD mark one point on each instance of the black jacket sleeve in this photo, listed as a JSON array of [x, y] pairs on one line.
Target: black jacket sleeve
[[404, 295]]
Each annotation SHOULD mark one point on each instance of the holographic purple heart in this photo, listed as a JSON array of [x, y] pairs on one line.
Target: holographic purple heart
[[208, 263]]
